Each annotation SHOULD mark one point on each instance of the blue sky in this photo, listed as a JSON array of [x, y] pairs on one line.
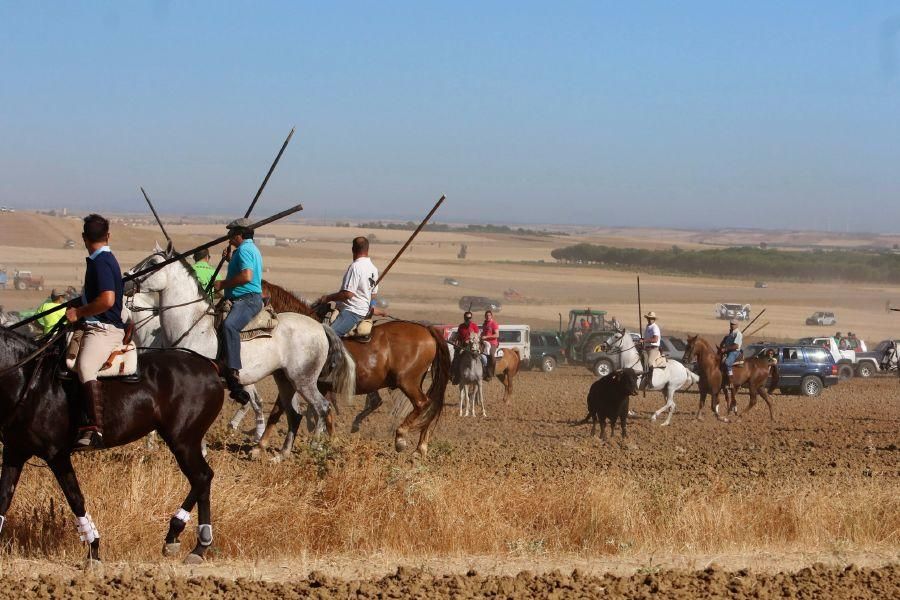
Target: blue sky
[[687, 114]]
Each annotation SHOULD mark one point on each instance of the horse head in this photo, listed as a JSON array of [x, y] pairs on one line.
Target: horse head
[[691, 349]]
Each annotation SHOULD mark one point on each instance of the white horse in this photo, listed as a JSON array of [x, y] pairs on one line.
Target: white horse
[[471, 372], [148, 333], [669, 380], [295, 355]]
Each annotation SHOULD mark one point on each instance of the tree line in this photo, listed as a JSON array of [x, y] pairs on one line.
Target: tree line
[[410, 226], [742, 262]]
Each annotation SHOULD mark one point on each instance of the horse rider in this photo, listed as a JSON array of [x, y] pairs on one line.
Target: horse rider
[[731, 348], [650, 344], [490, 339], [203, 271], [463, 334], [101, 311], [355, 299], [243, 286], [48, 322]]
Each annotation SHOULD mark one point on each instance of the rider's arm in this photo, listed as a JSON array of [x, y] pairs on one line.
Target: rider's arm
[[240, 278], [102, 303]]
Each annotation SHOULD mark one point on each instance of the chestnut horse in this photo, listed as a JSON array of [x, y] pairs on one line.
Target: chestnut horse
[[398, 355], [506, 368], [753, 373]]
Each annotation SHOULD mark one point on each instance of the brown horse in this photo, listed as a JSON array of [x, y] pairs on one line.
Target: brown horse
[[399, 354], [506, 369], [753, 373]]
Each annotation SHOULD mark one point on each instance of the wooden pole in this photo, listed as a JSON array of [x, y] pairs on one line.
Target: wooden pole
[[640, 324], [411, 238], [747, 326]]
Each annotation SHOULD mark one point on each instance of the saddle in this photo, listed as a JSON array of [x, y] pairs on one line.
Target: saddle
[[361, 332], [261, 326], [122, 363]]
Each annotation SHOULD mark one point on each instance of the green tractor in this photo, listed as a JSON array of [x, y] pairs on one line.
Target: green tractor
[[583, 338]]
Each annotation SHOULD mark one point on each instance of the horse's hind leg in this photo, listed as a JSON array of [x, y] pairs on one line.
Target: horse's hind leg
[[274, 416], [768, 399], [65, 476], [412, 389], [199, 474], [702, 402], [373, 401]]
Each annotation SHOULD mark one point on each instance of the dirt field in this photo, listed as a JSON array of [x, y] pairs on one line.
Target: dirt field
[[701, 508]]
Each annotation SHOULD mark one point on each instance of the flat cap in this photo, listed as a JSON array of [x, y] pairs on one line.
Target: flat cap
[[243, 222]]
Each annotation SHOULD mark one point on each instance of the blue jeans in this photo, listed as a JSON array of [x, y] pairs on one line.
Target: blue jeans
[[345, 322], [243, 309], [730, 359]]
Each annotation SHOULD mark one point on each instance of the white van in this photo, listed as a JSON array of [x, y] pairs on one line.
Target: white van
[[517, 337]]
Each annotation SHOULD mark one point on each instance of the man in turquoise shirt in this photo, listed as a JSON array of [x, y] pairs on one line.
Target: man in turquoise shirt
[[243, 286]]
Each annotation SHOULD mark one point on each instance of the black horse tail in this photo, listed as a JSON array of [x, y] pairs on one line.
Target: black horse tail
[[343, 369], [440, 377]]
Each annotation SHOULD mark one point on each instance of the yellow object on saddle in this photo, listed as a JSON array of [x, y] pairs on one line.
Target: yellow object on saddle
[[361, 332], [122, 362], [262, 325]]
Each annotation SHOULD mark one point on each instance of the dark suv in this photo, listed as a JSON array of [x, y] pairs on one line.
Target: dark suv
[[479, 304], [804, 369], [546, 350]]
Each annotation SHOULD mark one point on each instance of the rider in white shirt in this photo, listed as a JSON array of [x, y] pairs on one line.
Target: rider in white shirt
[[650, 343], [354, 300]]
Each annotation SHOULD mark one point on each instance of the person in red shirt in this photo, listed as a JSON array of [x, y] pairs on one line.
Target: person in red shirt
[[490, 335], [463, 334]]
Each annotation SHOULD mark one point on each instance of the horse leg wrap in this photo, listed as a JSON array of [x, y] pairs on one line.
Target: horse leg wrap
[[2, 522], [182, 515], [204, 534], [87, 531]]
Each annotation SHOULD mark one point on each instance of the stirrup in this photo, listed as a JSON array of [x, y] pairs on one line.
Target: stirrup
[[240, 395]]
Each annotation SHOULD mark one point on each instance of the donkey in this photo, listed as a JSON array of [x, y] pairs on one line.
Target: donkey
[[471, 374]]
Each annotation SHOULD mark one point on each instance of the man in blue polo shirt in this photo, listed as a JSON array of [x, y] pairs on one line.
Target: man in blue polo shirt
[[243, 286], [101, 311]]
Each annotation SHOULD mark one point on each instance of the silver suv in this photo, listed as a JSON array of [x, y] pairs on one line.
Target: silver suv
[[821, 318]]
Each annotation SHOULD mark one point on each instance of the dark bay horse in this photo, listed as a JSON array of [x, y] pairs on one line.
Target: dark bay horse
[[753, 373], [179, 395], [398, 355]]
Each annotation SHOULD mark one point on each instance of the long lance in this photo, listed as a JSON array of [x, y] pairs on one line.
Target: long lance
[[158, 220], [747, 326], [758, 329], [259, 192], [640, 312], [168, 261], [411, 238]]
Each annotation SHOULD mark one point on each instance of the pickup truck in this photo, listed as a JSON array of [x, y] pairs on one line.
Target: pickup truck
[[882, 358]]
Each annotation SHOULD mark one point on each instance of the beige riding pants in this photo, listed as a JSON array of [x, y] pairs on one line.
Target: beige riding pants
[[96, 346], [652, 356]]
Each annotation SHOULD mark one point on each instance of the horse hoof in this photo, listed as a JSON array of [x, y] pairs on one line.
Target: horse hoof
[[664, 424], [399, 444], [277, 458], [92, 563], [193, 559], [653, 419], [254, 453], [172, 549]]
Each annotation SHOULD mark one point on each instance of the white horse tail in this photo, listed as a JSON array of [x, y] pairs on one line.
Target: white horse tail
[[692, 379], [344, 374]]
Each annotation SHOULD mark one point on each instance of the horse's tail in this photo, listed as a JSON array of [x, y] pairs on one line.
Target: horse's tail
[[773, 378], [440, 377], [343, 374]]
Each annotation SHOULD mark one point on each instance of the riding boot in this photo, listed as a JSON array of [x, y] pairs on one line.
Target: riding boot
[[90, 437], [236, 390], [454, 372], [489, 369]]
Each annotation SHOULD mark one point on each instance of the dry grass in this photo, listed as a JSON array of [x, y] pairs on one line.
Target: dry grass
[[355, 498]]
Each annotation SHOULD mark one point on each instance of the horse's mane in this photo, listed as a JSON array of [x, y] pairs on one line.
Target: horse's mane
[[284, 301], [16, 341]]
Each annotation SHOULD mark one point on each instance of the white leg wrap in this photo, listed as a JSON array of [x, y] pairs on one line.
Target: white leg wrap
[[204, 534], [2, 522], [182, 515], [87, 531]]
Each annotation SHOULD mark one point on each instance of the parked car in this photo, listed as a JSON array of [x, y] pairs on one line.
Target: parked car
[[669, 345], [803, 369], [821, 318], [760, 284], [845, 359], [479, 304], [546, 350], [883, 358], [512, 337], [451, 281], [730, 310]]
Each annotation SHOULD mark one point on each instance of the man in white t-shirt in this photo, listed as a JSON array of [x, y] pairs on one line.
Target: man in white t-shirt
[[650, 343], [354, 301]]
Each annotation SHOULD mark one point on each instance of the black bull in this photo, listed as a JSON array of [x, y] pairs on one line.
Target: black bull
[[179, 395]]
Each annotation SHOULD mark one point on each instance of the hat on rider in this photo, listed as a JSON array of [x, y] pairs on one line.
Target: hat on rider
[[242, 223], [55, 293], [733, 322], [467, 315], [650, 315]]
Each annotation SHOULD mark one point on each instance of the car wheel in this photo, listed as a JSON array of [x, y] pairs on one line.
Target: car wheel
[[865, 369], [20, 285], [603, 367], [845, 372], [548, 364], [811, 386]]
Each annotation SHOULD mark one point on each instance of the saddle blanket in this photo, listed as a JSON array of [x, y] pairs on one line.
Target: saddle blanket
[[122, 362], [262, 325]]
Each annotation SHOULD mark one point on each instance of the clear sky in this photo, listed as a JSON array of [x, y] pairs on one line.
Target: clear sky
[[688, 114]]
